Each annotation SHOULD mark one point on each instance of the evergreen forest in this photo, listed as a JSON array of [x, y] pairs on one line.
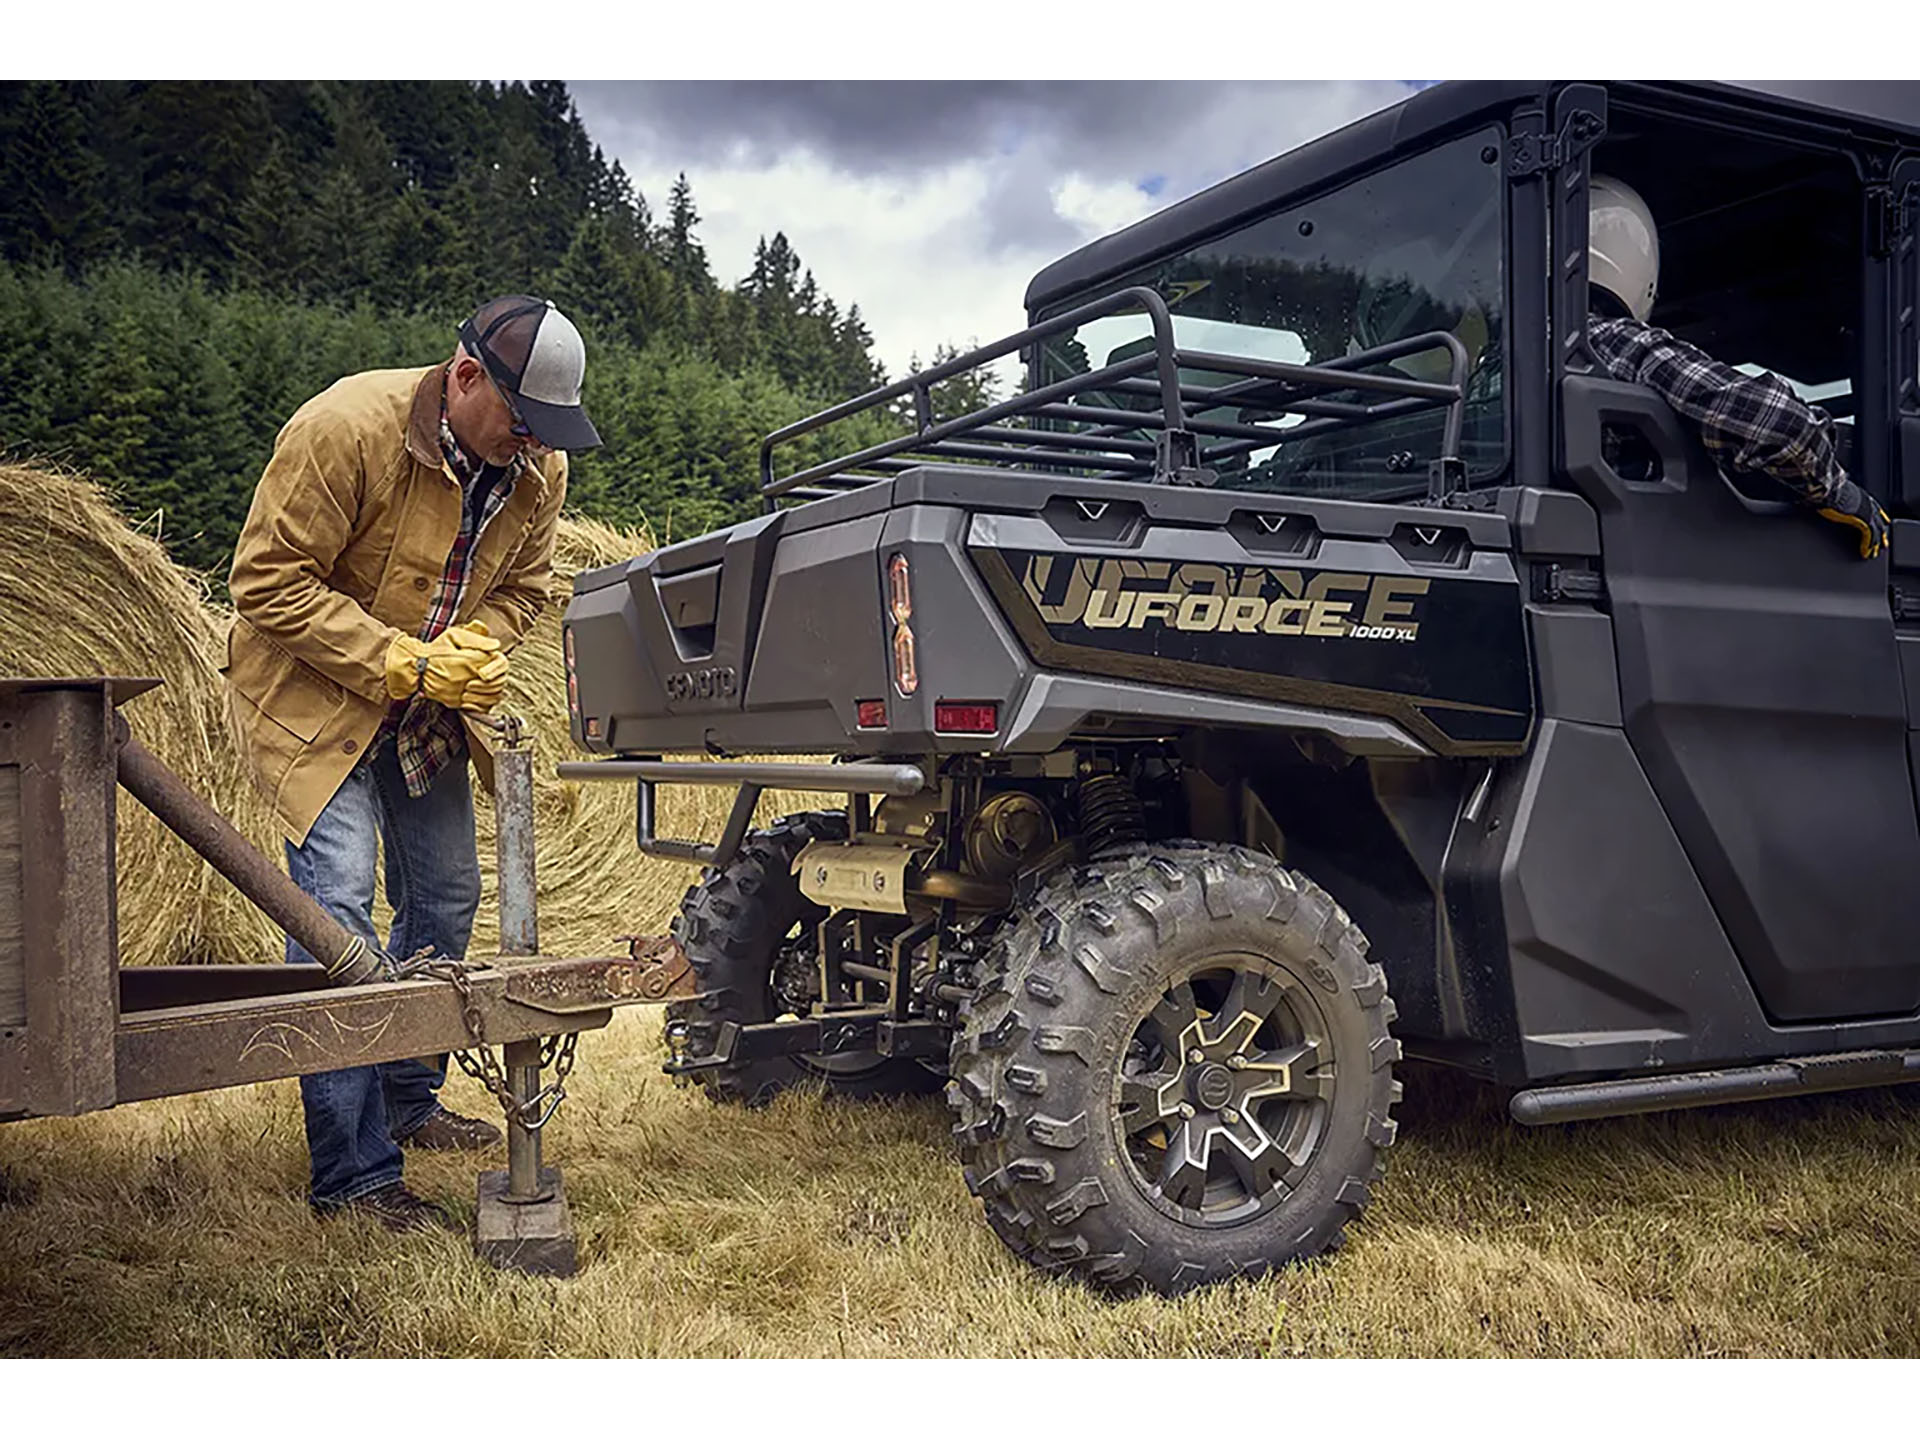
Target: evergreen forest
[[183, 263]]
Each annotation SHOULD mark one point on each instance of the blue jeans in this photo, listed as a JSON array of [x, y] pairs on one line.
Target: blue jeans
[[433, 883]]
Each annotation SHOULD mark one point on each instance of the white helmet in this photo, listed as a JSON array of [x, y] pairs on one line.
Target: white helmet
[[1623, 247]]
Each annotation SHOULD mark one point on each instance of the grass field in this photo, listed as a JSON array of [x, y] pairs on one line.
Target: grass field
[[820, 1228]]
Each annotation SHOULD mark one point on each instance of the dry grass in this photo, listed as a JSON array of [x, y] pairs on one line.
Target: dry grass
[[821, 1228]]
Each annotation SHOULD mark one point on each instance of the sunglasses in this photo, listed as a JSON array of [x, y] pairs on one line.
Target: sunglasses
[[519, 428]]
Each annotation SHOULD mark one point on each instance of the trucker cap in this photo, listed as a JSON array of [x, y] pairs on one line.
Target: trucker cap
[[538, 358]]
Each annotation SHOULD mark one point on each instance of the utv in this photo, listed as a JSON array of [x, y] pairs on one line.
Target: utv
[[1320, 662]]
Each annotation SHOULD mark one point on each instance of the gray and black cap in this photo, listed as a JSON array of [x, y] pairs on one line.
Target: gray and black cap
[[537, 356]]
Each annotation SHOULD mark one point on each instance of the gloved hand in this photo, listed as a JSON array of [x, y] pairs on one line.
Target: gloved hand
[[1852, 506], [483, 692], [445, 667]]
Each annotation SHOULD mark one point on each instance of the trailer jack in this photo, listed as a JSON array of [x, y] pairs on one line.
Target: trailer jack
[[521, 1219]]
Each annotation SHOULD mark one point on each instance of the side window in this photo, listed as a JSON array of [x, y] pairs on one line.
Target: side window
[[1410, 250], [1761, 256]]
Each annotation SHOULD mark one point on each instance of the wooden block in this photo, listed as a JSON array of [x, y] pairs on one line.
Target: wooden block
[[536, 1237]]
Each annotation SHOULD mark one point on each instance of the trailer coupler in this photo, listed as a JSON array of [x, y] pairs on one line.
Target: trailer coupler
[[838, 1032]]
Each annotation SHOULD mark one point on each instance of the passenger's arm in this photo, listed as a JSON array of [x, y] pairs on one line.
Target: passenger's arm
[[1747, 422]]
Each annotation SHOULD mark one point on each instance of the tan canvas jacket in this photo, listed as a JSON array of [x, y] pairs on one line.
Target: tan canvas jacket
[[347, 537]]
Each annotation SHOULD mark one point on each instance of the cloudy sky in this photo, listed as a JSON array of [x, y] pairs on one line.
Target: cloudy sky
[[932, 203]]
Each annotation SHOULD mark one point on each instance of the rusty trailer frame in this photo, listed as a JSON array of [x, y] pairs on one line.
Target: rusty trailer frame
[[79, 1033]]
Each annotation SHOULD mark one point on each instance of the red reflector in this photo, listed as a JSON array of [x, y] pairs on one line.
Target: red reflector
[[960, 717], [573, 693], [873, 714]]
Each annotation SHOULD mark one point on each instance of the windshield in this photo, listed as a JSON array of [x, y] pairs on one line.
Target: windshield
[[1411, 249]]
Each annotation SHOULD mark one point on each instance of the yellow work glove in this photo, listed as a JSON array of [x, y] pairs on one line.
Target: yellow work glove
[[472, 635], [444, 667], [1853, 507], [489, 683]]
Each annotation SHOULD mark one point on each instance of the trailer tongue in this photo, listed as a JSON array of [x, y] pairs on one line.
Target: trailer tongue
[[79, 1034]]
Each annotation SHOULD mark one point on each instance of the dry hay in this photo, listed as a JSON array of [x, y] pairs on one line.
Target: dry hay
[[593, 884], [83, 593]]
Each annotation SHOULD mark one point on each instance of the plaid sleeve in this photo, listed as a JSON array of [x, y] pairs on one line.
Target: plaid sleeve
[[1747, 422]]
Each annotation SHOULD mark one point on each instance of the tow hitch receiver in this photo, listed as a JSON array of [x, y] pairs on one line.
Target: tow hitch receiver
[[844, 1032]]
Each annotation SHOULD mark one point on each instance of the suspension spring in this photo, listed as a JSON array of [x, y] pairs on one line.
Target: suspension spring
[[1110, 813]]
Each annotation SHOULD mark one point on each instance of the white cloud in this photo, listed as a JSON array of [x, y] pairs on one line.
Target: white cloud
[[911, 253], [943, 252], [1101, 207]]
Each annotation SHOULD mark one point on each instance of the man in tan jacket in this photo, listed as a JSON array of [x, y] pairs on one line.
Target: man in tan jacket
[[398, 547]]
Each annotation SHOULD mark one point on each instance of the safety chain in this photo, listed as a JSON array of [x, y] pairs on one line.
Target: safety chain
[[480, 1061]]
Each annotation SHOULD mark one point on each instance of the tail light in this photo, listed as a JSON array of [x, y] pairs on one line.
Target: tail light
[[899, 590], [966, 717], [573, 685], [873, 714], [906, 673]]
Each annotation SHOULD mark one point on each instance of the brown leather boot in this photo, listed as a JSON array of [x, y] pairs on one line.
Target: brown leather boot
[[445, 1130], [395, 1207]]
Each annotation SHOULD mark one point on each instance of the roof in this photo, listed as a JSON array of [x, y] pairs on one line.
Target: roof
[[1880, 110]]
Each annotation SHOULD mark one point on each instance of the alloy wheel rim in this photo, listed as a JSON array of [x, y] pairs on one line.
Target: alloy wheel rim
[[1223, 1092]]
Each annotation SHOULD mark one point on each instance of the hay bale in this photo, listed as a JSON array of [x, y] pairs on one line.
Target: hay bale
[[81, 593], [593, 884], [66, 547]]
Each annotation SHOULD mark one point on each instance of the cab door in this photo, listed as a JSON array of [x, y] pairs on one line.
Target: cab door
[[1761, 690], [1894, 217], [1764, 686], [1894, 212]]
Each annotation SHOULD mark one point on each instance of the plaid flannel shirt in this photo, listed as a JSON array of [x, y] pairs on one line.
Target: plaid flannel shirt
[[1747, 422], [429, 736]]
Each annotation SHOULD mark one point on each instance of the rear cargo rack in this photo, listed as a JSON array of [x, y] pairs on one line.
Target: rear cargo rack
[[1163, 444]]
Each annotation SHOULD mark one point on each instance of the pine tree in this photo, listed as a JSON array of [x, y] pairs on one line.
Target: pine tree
[[53, 193], [686, 258], [277, 242], [606, 281], [349, 248], [280, 235], [419, 274], [198, 144], [855, 369], [957, 395], [730, 332]]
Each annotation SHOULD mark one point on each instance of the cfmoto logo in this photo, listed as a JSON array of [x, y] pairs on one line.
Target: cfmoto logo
[[716, 682]]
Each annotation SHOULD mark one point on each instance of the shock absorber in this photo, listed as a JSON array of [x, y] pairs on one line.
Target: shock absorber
[[1110, 813]]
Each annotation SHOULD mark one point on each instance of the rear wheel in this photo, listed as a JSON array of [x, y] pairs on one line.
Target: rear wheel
[[750, 936], [1178, 1069]]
